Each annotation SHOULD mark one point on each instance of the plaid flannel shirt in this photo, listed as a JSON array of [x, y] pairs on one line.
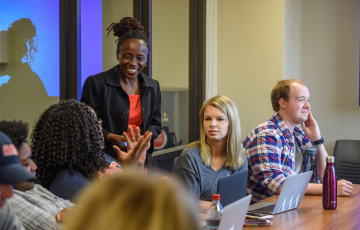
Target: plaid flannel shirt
[[270, 149], [36, 208]]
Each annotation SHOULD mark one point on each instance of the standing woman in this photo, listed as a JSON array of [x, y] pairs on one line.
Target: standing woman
[[124, 96], [216, 155]]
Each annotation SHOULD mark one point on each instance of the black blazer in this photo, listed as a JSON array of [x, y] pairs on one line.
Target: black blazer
[[104, 93]]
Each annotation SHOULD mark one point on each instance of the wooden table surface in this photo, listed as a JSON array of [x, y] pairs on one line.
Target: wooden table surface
[[311, 215]]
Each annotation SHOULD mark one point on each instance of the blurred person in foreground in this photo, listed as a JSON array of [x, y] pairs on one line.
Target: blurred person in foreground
[[35, 206], [11, 173], [134, 202]]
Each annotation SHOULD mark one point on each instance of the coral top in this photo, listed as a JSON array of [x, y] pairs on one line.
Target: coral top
[[135, 117]]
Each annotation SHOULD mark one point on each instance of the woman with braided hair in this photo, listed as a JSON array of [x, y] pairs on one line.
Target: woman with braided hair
[[123, 96]]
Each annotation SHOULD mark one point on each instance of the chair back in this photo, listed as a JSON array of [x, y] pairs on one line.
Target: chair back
[[347, 160], [164, 160]]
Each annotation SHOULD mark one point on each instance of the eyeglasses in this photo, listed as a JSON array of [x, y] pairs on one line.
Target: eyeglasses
[[100, 122]]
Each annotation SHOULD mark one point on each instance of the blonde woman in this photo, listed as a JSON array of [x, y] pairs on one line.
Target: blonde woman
[[217, 154], [134, 202]]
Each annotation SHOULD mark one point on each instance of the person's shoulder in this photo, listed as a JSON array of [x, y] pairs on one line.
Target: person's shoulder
[[16, 198], [101, 77], [190, 153], [67, 184], [268, 129], [65, 177], [8, 218], [189, 157], [149, 81]]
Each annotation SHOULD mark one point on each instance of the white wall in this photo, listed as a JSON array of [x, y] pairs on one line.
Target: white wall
[[330, 66], [321, 47], [170, 44], [250, 56]]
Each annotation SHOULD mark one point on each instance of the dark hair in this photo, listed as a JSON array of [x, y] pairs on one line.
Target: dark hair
[[67, 136], [282, 90], [23, 30], [128, 28], [17, 131]]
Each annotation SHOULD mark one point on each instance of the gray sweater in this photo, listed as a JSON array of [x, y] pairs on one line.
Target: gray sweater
[[200, 179]]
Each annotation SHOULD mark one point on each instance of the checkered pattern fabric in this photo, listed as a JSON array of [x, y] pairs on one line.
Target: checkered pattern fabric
[[270, 149], [113, 168]]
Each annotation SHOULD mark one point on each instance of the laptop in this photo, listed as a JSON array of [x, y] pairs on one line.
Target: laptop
[[232, 188], [290, 196], [234, 214]]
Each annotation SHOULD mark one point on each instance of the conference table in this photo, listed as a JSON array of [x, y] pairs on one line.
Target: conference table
[[311, 215]]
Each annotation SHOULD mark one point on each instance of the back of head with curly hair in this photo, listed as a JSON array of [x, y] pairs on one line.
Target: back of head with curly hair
[[67, 136]]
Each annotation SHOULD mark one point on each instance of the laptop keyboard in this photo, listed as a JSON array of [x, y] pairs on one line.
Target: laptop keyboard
[[266, 209]]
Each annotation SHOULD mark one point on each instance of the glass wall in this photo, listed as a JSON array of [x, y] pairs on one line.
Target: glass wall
[[170, 56], [170, 33], [29, 58], [98, 49]]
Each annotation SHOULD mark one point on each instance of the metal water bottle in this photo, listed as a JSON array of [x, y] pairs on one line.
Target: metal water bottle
[[214, 213], [330, 185]]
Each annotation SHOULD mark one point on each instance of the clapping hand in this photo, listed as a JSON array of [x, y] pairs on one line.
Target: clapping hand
[[136, 149], [131, 142], [311, 128]]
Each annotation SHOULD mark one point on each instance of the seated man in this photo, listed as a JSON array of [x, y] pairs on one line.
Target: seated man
[[275, 148], [35, 206], [11, 172]]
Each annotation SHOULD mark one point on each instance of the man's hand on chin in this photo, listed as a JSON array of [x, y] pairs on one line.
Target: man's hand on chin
[[311, 128]]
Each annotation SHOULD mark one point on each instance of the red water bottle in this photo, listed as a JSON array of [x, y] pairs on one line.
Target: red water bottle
[[330, 185]]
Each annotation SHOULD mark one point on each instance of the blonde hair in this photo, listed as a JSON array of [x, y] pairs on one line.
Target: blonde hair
[[235, 155], [282, 90], [134, 202]]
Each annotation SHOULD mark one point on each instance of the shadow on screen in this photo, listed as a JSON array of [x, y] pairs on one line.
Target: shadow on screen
[[23, 96]]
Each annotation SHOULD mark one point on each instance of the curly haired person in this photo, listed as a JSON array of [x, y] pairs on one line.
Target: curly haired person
[[35, 206], [67, 145]]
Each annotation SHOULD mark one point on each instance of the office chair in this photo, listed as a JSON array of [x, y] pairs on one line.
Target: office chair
[[164, 159], [347, 160]]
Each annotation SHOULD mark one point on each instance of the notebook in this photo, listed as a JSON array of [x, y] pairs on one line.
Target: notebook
[[232, 188], [290, 196]]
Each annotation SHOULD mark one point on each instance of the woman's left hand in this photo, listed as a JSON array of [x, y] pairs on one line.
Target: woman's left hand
[[134, 139], [134, 156]]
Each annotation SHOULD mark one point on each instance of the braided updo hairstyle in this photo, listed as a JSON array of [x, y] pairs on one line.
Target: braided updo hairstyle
[[128, 28], [24, 31], [67, 136]]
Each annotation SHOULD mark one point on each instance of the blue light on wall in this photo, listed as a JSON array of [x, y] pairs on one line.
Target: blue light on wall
[[44, 14], [91, 39]]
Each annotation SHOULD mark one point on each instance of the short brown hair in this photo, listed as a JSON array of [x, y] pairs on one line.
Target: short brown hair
[[282, 90]]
